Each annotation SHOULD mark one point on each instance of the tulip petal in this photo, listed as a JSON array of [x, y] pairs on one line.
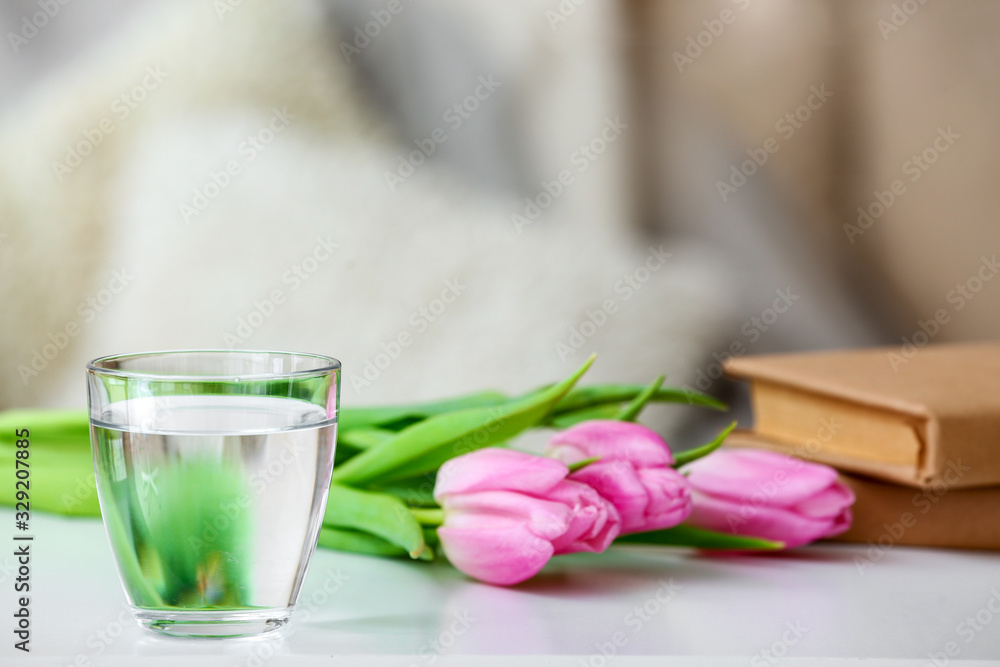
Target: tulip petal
[[611, 441], [502, 556], [841, 522], [771, 523], [776, 479], [827, 503], [546, 519], [669, 498], [595, 523], [494, 469], [618, 482]]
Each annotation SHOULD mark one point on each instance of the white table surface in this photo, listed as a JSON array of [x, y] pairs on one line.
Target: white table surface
[[357, 610]]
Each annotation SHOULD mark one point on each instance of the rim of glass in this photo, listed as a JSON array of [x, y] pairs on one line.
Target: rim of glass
[[329, 365]]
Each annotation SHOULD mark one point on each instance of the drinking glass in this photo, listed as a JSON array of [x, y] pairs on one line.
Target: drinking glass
[[213, 469]]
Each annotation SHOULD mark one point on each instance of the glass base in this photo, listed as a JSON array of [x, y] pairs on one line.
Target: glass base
[[218, 624]]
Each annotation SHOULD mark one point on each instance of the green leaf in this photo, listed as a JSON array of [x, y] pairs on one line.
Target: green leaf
[[601, 394], [567, 419], [399, 416], [128, 561], [343, 453], [364, 438], [424, 446], [631, 411], [62, 467], [179, 567], [687, 456], [360, 542], [579, 465], [62, 477], [57, 429], [431, 537], [429, 517], [377, 513], [415, 492], [689, 536]]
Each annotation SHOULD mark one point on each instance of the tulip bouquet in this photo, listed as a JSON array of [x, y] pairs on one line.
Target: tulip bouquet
[[443, 478]]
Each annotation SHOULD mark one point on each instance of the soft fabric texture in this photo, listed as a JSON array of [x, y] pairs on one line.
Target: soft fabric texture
[[423, 291]]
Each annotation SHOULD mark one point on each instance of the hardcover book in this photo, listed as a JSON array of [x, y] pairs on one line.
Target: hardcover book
[[916, 417]]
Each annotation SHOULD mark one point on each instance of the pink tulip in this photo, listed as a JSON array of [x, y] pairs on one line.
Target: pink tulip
[[763, 494], [633, 472], [611, 441], [508, 512]]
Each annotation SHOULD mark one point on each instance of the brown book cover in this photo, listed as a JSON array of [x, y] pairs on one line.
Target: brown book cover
[[916, 416], [888, 514]]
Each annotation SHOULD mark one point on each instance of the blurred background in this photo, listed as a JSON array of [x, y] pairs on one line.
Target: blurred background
[[451, 195]]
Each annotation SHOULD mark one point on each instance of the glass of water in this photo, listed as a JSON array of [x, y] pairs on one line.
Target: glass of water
[[213, 469]]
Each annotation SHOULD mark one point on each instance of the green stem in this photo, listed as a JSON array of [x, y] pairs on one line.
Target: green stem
[[580, 465], [689, 455], [428, 517], [631, 411]]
